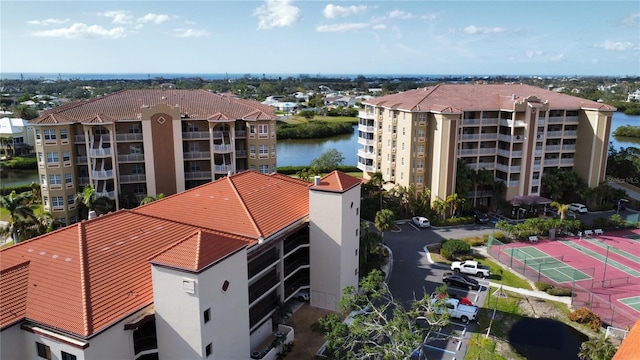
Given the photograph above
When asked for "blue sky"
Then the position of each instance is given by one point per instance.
(322, 37)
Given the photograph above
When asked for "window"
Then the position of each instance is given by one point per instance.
(134, 129)
(45, 200)
(37, 134)
(57, 201)
(263, 129)
(207, 350)
(72, 220)
(273, 148)
(63, 222)
(252, 129)
(139, 189)
(40, 157)
(55, 179)
(252, 150)
(264, 150)
(137, 169)
(207, 315)
(49, 134)
(52, 157)
(71, 199)
(67, 356)
(100, 130)
(43, 351)
(194, 147)
(264, 169)
(64, 134)
(43, 179)
(68, 179)
(66, 156)
(192, 127)
(252, 167)
(194, 166)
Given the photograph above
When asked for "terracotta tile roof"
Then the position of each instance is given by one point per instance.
(453, 98)
(85, 277)
(630, 347)
(336, 181)
(198, 250)
(126, 105)
(248, 204)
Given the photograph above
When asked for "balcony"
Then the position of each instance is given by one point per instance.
(463, 152)
(551, 162)
(194, 155)
(571, 119)
(195, 135)
(193, 175)
(101, 152)
(556, 119)
(81, 160)
(470, 122)
(512, 123)
(102, 174)
(107, 194)
(241, 153)
(366, 154)
(490, 121)
(570, 133)
(540, 121)
(568, 147)
(509, 138)
(366, 168)
(131, 158)
(485, 151)
(222, 169)
(78, 138)
(129, 137)
(222, 149)
(366, 128)
(513, 183)
(133, 178)
(554, 134)
(470, 137)
(241, 134)
(489, 136)
(366, 115)
(566, 161)
(363, 141)
(550, 148)
(538, 151)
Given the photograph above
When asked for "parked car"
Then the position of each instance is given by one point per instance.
(421, 221)
(463, 300)
(302, 295)
(577, 207)
(470, 267)
(553, 212)
(481, 218)
(458, 310)
(460, 280)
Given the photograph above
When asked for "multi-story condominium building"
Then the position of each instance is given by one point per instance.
(135, 143)
(195, 275)
(516, 131)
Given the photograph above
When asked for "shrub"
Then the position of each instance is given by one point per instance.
(446, 253)
(543, 286)
(559, 291)
(456, 246)
(476, 241)
(586, 316)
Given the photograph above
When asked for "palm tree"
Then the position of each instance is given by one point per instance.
(440, 207)
(597, 348)
(150, 198)
(562, 209)
(19, 210)
(384, 222)
(377, 180)
(482, 178)
(454, 201)
(101, 204)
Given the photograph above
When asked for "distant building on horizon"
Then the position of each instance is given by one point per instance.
(135, 143)
(515, 131)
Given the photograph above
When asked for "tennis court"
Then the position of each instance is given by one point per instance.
(549, 266)
(632, 302)
(604, 258)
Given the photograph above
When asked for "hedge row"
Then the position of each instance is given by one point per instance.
(292, 170)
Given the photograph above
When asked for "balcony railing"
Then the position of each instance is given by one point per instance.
(554, 134)
(366, 154)
(78, 138)
(551, 162)
(566, 161)
(102, 174)
(101, 152)
(366, 128)
(513, 183)
(195, 135)
(222, 169)
(222, 148)
(463, 152)
(570, 133)
(568, 147)
(470, 136)
(552, 148)
(81, 160)
(489, 136)
(366, 115)
(241, 134)
(133, 178)
(108, 194)
(131, 158)
(129, 137)
(190, 175)
(556, 119)
(470, 121)
(241, 153)
(367, 168)
(363, 141)
(490, 121)
(571, 119)
(190, 155)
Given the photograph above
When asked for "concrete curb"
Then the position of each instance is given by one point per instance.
(388, 267)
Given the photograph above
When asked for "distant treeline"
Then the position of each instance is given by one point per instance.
(629, 108)
(312, 130)
(628, 131)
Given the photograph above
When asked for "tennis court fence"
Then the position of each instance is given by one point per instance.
(587, 291)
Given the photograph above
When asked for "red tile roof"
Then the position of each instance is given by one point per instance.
(336, 181)
(198, 250)
(248, 204)
(630, 347)
(126, 105)
(453, 98)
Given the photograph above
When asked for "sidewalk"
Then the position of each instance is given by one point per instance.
(533, 293)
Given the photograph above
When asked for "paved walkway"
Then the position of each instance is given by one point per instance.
(632, 191)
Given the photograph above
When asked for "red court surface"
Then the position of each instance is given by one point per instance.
(611, 261)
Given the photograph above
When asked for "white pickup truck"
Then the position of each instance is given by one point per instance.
(470, 267)
(457, 310)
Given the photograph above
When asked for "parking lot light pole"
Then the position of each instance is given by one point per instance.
(606, 260)
(618, 207)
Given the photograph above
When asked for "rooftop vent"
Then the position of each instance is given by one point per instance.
(316, 180)
(92, 215)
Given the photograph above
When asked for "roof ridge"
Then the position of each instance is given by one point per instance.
(174, 244)
(196, 258)
(84, 278)
(244, 206)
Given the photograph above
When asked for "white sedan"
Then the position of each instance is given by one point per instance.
(421, 221)
(578, 208)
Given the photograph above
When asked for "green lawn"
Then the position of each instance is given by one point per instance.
(302, 120)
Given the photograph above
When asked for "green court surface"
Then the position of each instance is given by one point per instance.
(546, 265)
(633, 237)
(602, 258)
(632, 302)
(615, 250)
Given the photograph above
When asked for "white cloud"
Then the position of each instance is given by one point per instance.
(118, 16)
(379, 27)
(429, 17)
(83, 31)
(472, 29)
(399, 14)
(341, 27)
(332, 11)
(532, 53)
(277, 13)
(631, 20)
(191, 33)
(47, 22)
(154, 18)
(557, 57)
(616, 45)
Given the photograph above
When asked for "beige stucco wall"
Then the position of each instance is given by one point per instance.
(441, 154)
(592, 145)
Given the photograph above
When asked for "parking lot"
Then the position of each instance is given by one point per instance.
(413, 276)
